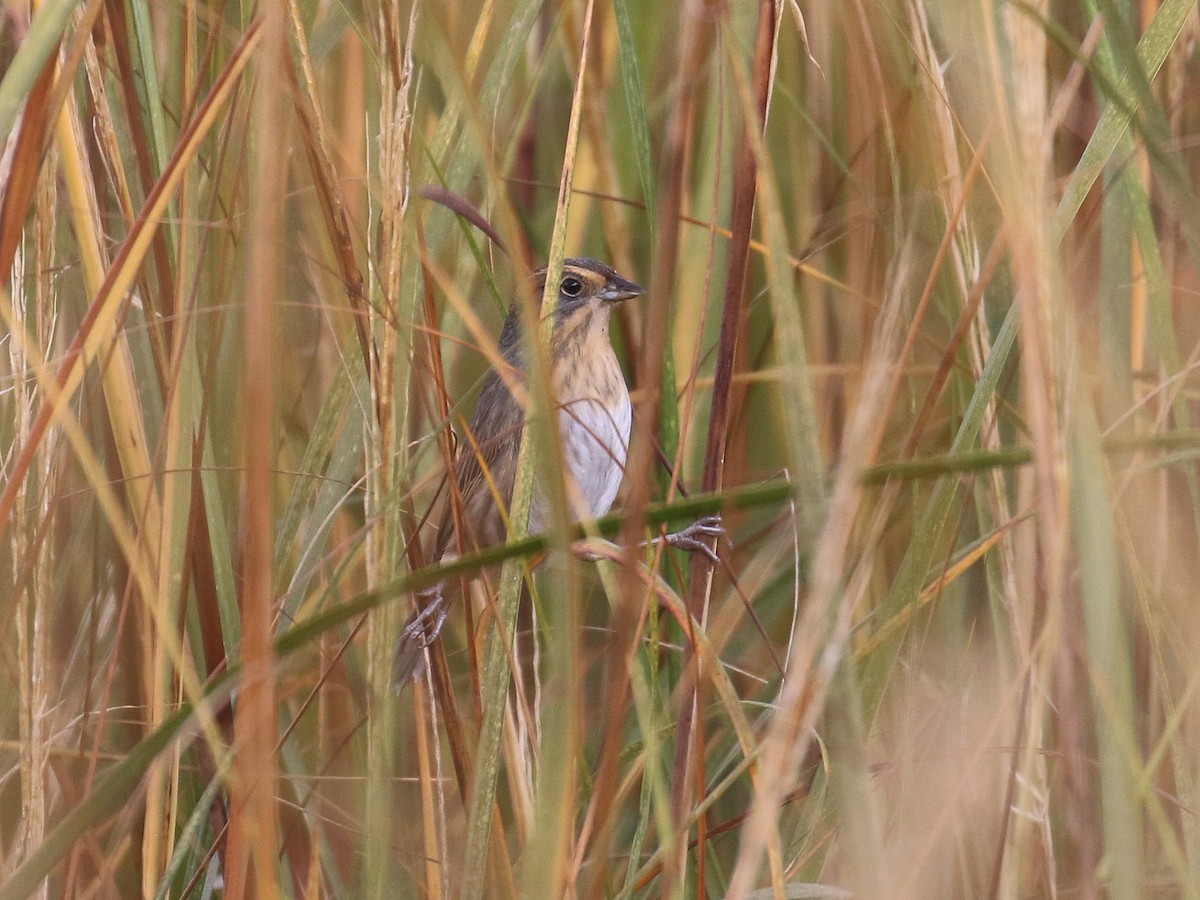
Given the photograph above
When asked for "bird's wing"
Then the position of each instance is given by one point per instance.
(486, 469)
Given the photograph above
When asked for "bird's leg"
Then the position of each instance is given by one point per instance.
(696, 537)
(421, 630)
(693, 539)
(426, 624)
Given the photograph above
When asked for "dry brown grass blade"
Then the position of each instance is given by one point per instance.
(123, 269)
(690, 753)
(442, 686)
(204, 581)
(961, 331)
(329, 192)
(26, 163)
(744, 190)
(254, 823)
(461, 206)
(41, 108)
(134, 120)
(694, 40)
(200, 573)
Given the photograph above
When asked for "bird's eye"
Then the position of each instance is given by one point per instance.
(571, 286)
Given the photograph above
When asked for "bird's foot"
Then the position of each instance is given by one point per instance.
(426, 624)
(699, 537)
(421, 630)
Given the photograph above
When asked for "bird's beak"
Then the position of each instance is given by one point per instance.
(619, 289)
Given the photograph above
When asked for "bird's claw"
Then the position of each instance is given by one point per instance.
(698, 537)
(424, 627)
(421, 630)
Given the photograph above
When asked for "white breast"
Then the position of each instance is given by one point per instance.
(595, 439)
(595, 446)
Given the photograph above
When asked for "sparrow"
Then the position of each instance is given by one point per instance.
(594, 417)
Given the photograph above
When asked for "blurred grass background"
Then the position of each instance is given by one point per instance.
(921, 320)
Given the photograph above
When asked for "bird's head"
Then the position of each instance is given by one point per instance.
(588, 284)
(587, 292)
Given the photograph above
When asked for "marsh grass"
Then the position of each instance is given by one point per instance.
(920, 324)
